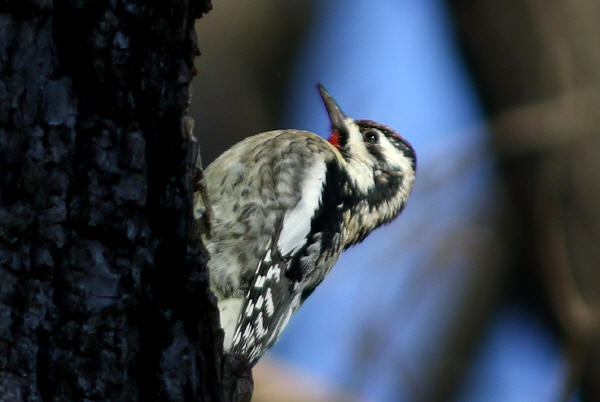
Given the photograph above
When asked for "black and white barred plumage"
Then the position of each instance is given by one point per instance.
(286, 203)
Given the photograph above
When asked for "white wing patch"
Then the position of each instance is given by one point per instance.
(269, 302)
(274, 272)
(296, 222)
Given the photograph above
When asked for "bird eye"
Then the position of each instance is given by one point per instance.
(371, 137)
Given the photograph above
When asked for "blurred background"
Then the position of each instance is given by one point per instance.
(487, 288)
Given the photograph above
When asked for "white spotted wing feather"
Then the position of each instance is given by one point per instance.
(264, 233)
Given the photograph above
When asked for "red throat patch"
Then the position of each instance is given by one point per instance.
(334, 139)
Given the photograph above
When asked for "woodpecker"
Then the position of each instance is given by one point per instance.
(285, 204)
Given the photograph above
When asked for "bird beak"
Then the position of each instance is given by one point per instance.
(335, 113)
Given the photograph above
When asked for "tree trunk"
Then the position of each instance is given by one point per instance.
(103, 289)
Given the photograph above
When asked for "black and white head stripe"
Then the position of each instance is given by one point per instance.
(401, 144)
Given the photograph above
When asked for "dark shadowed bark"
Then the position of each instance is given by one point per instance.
(103, 291)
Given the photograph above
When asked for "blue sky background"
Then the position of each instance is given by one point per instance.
(398, 292)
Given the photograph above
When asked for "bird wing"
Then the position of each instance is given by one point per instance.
(267, 308)
(306, 241)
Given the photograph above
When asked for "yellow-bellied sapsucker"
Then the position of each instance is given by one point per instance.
(285, 204)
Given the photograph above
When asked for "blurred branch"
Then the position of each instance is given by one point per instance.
(537, 64)
(541, 126)
(576, 312)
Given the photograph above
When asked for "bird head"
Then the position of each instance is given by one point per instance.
(380, 164)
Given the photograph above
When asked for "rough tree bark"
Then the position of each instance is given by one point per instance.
(103, 292)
